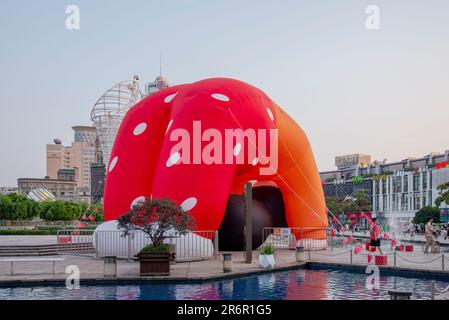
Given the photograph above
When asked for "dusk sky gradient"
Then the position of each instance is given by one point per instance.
(381, 92)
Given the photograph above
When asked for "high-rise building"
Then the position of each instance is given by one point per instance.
(97, 180)
(352, 161)
(82, 153)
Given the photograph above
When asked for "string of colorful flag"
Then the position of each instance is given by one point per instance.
(85, 219)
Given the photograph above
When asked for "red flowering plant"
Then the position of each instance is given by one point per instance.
(159, 219)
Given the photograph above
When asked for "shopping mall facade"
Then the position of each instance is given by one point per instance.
(397, 189)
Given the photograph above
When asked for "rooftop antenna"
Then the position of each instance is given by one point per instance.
(160, 65)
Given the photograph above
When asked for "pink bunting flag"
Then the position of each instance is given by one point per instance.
(91, 218)
(84, 217)
(358, 249)
(393, 243)
(334, 232)
(335, 220)
(343, 229)
(344, 242)
(351, 238)
(386, 236)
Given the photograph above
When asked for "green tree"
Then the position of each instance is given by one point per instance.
(6, 207)
(359, 201)
(443, 194)
(334, 204)
(17, 207)
(60, 210)
(426, 212)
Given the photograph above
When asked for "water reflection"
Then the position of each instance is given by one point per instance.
(288, 285)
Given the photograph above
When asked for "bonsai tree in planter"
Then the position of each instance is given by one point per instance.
(266, 257)
(159, 219)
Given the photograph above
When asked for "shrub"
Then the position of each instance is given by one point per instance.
(26, 232)
(267, 250)
(163, 248)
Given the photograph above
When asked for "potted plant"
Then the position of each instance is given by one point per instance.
(159, 219)
(266, 257)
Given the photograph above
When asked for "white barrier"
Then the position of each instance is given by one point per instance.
(108, 240)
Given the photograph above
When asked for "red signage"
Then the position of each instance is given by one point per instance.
(442, 165)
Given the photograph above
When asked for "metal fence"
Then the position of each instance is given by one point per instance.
(194, 245)
(75, 241)
(40, 223)
(290, 238)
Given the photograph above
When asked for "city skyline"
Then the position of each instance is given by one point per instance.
(350, 88)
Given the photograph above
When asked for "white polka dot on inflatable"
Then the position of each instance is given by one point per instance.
(136, 201)
(270, 114)
(169, 126)
(237, 149)
(174, 158)
(113, 163)
(189, 204)
(169, 98)
(139, 129)
(221, 97)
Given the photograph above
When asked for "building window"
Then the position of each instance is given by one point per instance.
(395, 206)
(416, 183)
(417, 205)
(424, 181)
(404, 204)
(397, 184)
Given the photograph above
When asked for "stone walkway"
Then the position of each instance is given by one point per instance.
(431, 262)
(419, 238)
(27, 240)
(92, 269)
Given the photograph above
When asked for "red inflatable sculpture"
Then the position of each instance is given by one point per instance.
(199, 143)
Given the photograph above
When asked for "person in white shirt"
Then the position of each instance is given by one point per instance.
(430, 241)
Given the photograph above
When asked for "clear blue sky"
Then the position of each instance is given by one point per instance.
(383, 92)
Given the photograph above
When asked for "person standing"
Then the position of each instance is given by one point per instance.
(430, 241)
(375, 233)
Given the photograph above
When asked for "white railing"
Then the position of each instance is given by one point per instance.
(290, 238)
(192, 246)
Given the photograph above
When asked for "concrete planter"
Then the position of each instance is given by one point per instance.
(267, 261)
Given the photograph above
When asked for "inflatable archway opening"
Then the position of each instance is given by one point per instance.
(145, 163)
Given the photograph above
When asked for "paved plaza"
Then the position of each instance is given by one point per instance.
(92, 268)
